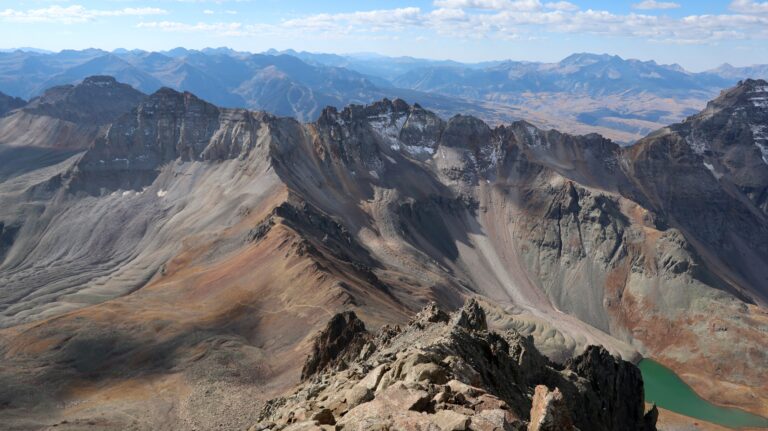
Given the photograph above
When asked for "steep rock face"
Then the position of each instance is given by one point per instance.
(731, 137)
(8, 103)
(549, 411)
(452, 373)
(340, 341)
(609, 378)
(167, 126)
(718, 164)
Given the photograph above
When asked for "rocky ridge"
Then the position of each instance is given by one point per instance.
(449, 372)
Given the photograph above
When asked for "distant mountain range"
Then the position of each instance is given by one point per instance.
(621, 99)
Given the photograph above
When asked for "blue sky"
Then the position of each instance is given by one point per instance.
(695, 34)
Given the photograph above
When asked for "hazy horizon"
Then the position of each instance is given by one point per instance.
(696, 35)
(363, 54)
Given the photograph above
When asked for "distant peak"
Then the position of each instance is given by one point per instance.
(168, 100)
(167, 93)
(100, 81)
(396, 105)
(96, 100)
(375, 109)
(751, 84)
(582, 56)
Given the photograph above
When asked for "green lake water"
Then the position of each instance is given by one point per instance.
(667, 390)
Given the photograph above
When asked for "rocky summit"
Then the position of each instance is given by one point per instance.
(165, 264)
(449, 372)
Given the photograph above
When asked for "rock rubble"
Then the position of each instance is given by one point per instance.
(451, 373)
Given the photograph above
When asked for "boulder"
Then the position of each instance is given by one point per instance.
(449, 420)
(471, 316)
(549, 411)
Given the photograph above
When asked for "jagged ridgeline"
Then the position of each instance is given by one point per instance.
(161, 254)
(449, 372)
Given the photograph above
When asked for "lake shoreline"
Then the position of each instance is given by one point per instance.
(665, 388)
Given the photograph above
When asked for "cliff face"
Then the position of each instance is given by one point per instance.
(188, 236)
(8, 103)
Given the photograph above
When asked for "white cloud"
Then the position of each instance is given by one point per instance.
(749, 6)
(225, 29)
(653, 4)
(208, 12)
(206, 1)
(72, 14)
(466, 19)
(561, 5)
(374, 20)
(519, 5)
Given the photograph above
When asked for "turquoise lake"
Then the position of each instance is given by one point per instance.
(667, 390)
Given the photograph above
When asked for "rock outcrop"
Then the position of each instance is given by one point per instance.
(549, 411)
(339, 343)
(451, 373)
(8, 103)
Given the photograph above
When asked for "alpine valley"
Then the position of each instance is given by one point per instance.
(168, 263)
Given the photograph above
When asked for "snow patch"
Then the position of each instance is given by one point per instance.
(652, 75)
(533, 133)
(697, 145)
(388, 128)
(764, 151)
(759, 102)
(161, 193)
(711, 169)
(420, 149)
(759, 97)
(492, 154)
(760, 135)
(418, 125)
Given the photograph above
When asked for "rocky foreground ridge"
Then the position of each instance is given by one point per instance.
(451, 373)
